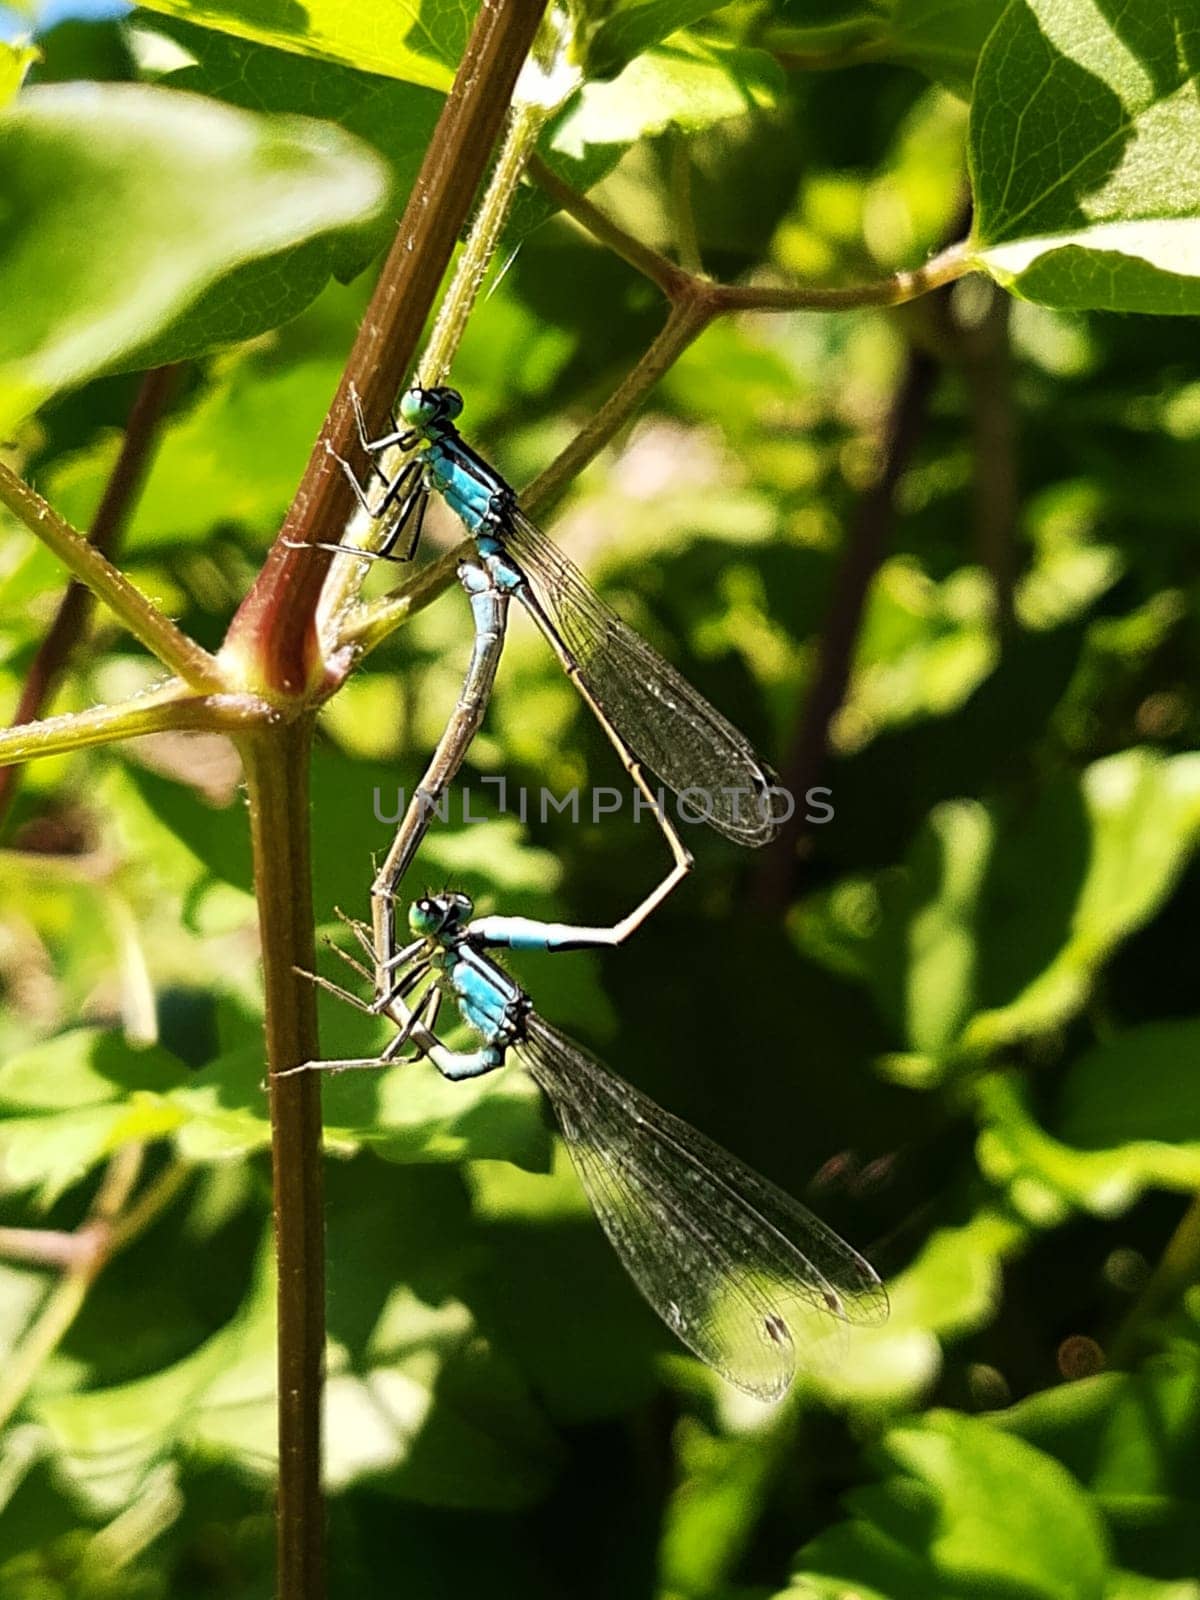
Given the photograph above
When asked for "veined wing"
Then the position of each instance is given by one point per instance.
(722, 1255)
(670, 728)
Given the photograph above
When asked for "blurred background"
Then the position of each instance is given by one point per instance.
(957, 1016)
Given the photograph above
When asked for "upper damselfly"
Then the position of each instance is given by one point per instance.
(653, 717)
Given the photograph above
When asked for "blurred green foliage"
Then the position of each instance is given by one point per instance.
(967, 1039)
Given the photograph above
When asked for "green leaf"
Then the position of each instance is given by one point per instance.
(1099, 1163)
(133, 201)
(1132, 1088)
(632, 27)
(967, 958)
(686, 85)
(705, 1527)
(396, 118)
(966, 1510)
(414, 1402)
(1085, 129)
(830, 27)
(419, 43)
(942, 38)
(1132, 1439)
(78, 1097)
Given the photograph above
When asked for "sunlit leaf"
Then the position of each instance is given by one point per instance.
(1005, 921)
(965, 1508)
(685, 85)
(1083, 132)
(418, 43)
(136, 200)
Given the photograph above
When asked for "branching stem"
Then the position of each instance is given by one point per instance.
(141, 616)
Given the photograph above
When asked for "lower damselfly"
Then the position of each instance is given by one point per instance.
(733, 1265)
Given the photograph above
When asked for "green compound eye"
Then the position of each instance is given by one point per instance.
(417, 406)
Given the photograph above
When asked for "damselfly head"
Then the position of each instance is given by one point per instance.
(422, 408)
(436, 915)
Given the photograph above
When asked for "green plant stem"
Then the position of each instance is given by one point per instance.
(675, 282)
(1177, 1270)
(650, 263)
(524, 125)
(368, 625)
(274, 641)
(277, 778)
(141, 616)
(40, 1247)
(941, 269)
(120, 495)
(171, 707)
(111, 1224)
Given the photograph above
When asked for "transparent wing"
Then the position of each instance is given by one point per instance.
(723, 1256)
(670, 728)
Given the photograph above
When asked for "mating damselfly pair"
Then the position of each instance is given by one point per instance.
(723, 1256)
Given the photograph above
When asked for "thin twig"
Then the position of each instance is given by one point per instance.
(675, 282)
(120, 495)
(1177, 1270)
(109, 1227)
(650, 263)
(987, 367)
(688, 319)
(896, 289)
(40, 1247)
(170, 708)
(141, 616)
(866, 546)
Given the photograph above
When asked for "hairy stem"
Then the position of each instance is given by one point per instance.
(940, 270)
(141, 616)
(524, 126)
(470, 269)
(120, 495)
